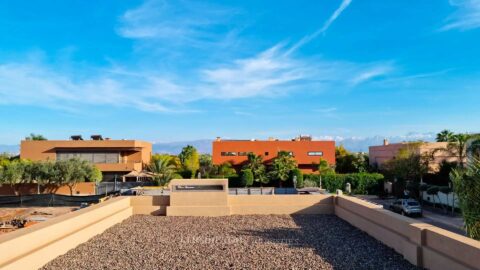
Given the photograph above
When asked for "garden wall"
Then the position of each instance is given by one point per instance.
(86, 188)
(421, 244)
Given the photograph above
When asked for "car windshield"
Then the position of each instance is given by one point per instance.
(412, 203)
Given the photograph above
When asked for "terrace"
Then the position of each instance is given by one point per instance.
(233, 242)
(200, 226)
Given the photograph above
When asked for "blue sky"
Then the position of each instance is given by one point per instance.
(183, 70)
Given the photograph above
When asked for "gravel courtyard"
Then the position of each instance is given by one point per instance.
(234, 242)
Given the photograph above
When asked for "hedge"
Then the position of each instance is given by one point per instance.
(361, 183)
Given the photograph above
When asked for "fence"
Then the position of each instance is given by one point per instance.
(103, 188)
(262, 191)
(48, 200)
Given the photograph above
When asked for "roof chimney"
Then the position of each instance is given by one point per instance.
(385, 142)
(218, 139)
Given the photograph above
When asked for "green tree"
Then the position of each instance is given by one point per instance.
(282, 166)
(35, 137)
(461, 146)
(73, 171)
(323, 169)
(206, 168)
(466, 184)
(348, 162)
(163, 168)
(224, 170)
(407, 165)
(255, 164)
(12, 174)
(190, 160)
(247, 178)
(445, 136)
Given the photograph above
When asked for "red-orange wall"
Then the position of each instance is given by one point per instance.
(300, 150)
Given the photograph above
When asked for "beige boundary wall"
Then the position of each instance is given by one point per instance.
(420, 243)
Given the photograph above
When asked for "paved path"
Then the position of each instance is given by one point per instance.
(434, 216)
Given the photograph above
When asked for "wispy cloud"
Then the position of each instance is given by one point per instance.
(323, 29)
(190, 23)
(371, 73)
(466, 17)
(39, 85)
(273, 73)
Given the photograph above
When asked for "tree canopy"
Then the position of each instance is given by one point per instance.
(35, 137)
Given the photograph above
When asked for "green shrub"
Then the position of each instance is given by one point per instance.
(299, 176)
(361, 183)
(310, 183)
(247, 178)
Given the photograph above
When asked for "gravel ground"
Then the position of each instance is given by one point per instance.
(235, 242)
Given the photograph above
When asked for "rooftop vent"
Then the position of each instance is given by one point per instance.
(97, 137)
(76, 137)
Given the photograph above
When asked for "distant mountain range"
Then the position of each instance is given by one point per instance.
(356, 144)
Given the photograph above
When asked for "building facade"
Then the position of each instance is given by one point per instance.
(304, 150)
(114, 158)
(380, 154)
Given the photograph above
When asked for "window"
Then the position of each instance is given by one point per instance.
(243, 153)
(266, 153)
(93, 157)
(229, 154)
(315, 153)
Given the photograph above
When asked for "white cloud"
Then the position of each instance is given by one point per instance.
(274, 72)
(466, 17)
(38, 85)
(176, 22)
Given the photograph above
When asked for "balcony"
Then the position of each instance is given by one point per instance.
(120, 167)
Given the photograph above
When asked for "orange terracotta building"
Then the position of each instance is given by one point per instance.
(115, 158)
(303, 149)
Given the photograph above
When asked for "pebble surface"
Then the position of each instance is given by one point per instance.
(234, 242)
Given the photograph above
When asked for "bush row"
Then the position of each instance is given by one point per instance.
(361, 183)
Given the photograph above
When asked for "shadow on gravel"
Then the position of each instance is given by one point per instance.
(337, 242)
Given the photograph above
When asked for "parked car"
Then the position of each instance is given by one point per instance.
(406, 207)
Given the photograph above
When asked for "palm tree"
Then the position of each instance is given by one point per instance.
(461, 146)
(225, 170)
(445, 136)
(255, 164)
(163, 169)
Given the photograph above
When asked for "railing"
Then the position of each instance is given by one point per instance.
(112, 187)
(262, 191)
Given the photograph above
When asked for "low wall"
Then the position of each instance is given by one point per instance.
(85, 188)
(32, 247)
(150, 205)
(280, 204)
(420, 243)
